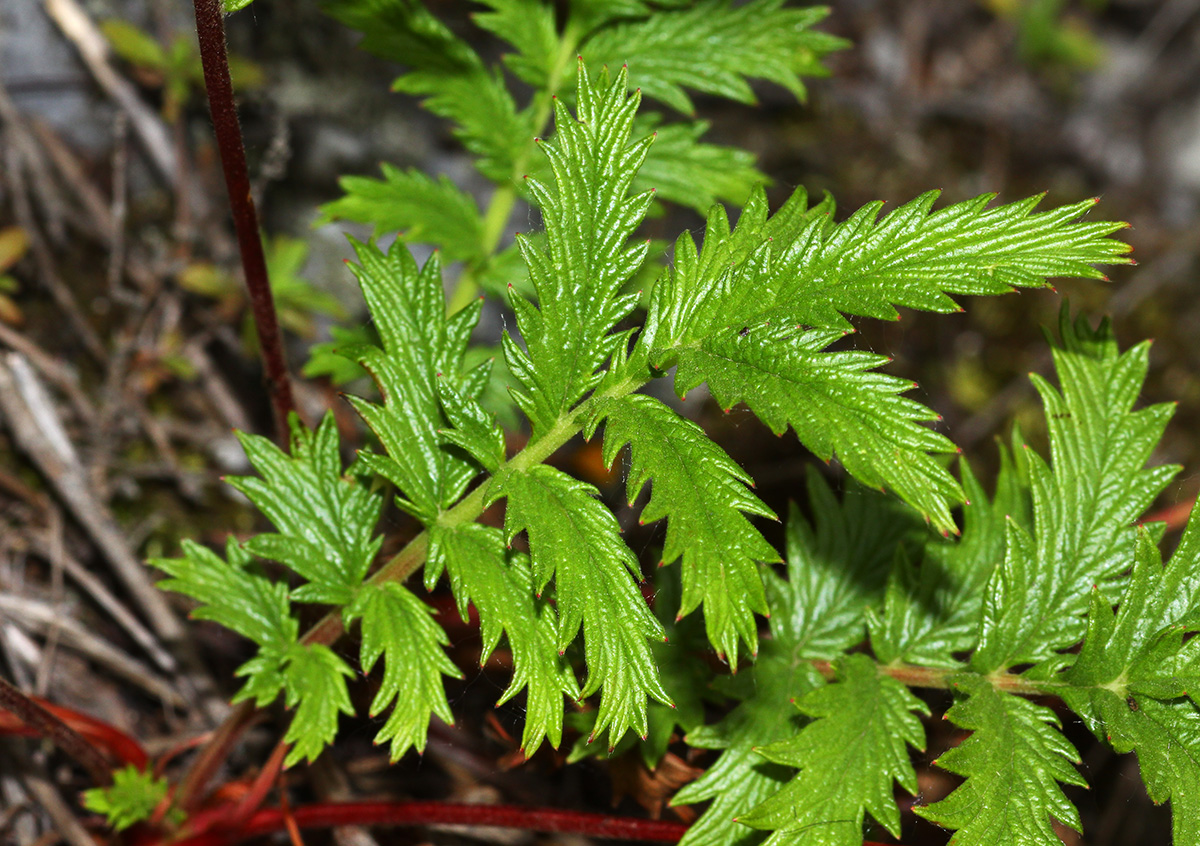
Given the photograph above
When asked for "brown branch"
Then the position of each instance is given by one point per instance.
(210, 29)
(55, 730)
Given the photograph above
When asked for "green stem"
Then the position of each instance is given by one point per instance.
(504, 198)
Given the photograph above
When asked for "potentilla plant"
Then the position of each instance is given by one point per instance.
(1047, 588)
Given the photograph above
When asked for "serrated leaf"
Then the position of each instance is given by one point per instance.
(835, 568)
(1084, 507)
(474, 430)
(683, 169)
(739, 308)
(325, 521)
(399, 628)
(315, 685)
(576, 540)
(420, 348)
(529, 26)
(448, 73)
(501, 587)
(702, 492)
(586, 261)
(862, 725)
(835, 402)
(1013, 763)
(421, 209)
(933, 603)
(714, 47)
(131, 798)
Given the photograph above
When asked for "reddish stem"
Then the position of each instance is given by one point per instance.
(37, 720)
(210, 29)
(330, 815)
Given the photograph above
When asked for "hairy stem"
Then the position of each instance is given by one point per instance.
(911, 675)
(210, 30)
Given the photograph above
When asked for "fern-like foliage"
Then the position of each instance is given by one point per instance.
(1020, 604)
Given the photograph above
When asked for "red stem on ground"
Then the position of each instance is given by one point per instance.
(41, 719)
(331, 815)
(210, 29)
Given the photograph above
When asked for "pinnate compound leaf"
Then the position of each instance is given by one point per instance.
(702, 492)
(848, 756)
(585, 261)
(325, 521)
(421, 348)
(400, 628)
(420, 208)
(734, 314)
(315, 685)
(1013, 763)
(448, 73)
(1084, 507)
(501, 587)
(714, 47)
(576, 540)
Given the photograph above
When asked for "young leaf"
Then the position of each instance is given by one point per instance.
(714, 46)
(422, 209)
(576, 540)
(529, 26)
(419, 345)
(501, 586)
(315, 680)
(132, 797)
(586, 261)
(703, 493)
(398, 626)
(1012, 763)
(1084, 508)
(861, 725)
(326, 522)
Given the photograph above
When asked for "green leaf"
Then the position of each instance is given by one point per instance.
(420, 348)
(1135, 680)
(932, 608)
(576, 540)
(501, 586)
(326, 359)
(734, 314)
(682, 169)
(448, 73)
(315, 679)
(230, 594)
(585, 262)
(835, 402)
(325, 521)
(529, 26)
(420, 208)
(399, 627)
(714, 47)
(1012, 763)
(132, 797)
(836, 566)
(1084, 508)
(134, 45)
(702, 493)
(848, 758)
